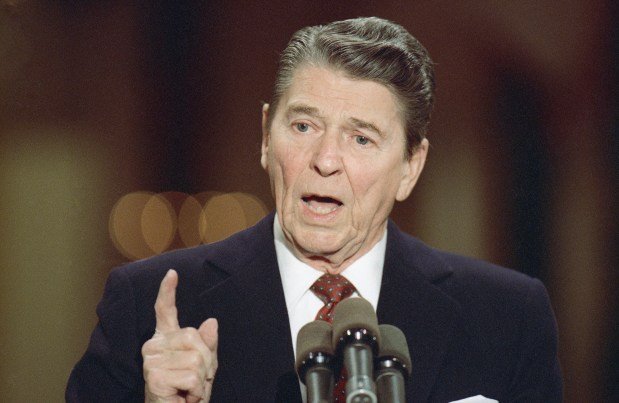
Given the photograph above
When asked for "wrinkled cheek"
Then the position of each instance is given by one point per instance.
(288, 168)
(279, 188)
(277, 183)
(369, 207)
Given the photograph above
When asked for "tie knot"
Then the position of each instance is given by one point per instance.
(331, 289)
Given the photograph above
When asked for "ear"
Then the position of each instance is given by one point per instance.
(411, 170)
(265, 137)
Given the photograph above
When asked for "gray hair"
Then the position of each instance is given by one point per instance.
(368, 49)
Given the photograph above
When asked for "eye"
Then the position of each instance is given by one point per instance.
(362, 140)
(302, 127)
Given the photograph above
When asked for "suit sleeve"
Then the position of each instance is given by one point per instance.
(537, 375)
(111, 368)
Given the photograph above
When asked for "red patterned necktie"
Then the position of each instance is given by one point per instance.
(331, 289)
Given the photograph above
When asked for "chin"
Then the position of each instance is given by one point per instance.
(320, 243)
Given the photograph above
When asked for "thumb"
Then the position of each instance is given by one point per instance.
(209, 333)
(165, 305)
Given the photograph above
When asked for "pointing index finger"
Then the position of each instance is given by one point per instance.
(165, 305)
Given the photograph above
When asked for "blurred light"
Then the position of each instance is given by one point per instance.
(253, 208)
(224, 216)
(176, 201)
(203, 198)
(190, 219)
(144, 224)
(159, 223)
(125, 225)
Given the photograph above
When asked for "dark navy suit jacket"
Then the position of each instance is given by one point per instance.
(472, 328)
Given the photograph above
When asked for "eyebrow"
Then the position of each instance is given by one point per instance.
(303, 109)
(362, 124)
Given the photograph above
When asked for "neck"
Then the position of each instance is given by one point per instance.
(333, 263)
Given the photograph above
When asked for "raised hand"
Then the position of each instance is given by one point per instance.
(179, 364)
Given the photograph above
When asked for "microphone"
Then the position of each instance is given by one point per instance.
(315, 360)
(393, 365)
(356, 336)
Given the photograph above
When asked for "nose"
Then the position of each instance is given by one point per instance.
(327, 158)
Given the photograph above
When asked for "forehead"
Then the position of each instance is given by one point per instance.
(332, 93)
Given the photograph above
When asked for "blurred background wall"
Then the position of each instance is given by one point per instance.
(100, 100)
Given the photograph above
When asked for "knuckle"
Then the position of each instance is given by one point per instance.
(195, 360)
(148, 347)
(188, 335)
(154, 378)
(194, 380)
(153, 345)
(151, 362)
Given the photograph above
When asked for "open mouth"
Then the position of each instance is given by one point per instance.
(321, 204)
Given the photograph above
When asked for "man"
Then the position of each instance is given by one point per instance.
(343, 139)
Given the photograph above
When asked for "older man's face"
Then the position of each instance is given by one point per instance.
(335, 154)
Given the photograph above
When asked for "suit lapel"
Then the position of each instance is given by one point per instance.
(245, 294)
(255, 352)
(410, 298)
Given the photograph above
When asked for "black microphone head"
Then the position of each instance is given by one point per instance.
(393, 346)
(313, 339)
(355, 314)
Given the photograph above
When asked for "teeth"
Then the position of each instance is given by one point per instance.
(321, 208)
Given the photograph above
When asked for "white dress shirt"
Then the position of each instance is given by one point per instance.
(302, 304)
(297, 277)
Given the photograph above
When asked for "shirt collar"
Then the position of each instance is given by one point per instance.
(297, 277)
